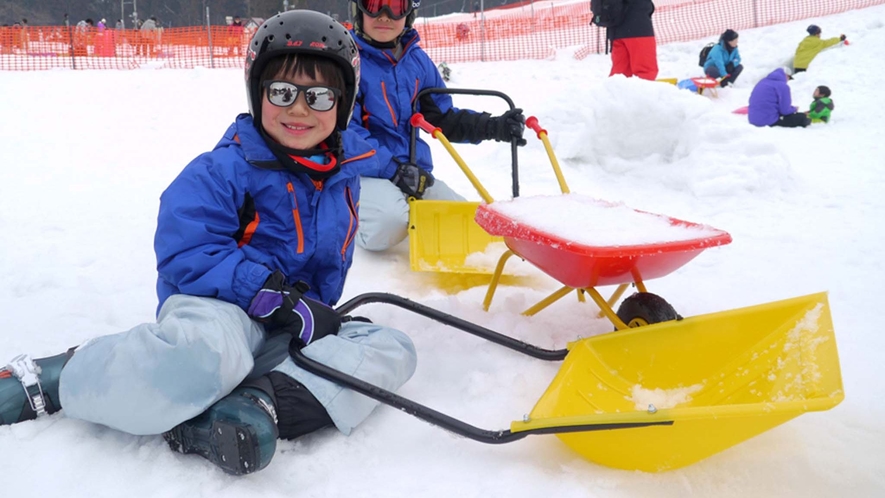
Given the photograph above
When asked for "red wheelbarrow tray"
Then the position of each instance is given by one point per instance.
(582, 266)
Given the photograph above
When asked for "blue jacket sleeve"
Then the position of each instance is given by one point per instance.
(458, 125)
(360, 150)
(383, 165)
(194, 243)
(736, 57)
(721, 57)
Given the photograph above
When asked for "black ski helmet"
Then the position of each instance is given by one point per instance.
(303, 32)
(357, 15)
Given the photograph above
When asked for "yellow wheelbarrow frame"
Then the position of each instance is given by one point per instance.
(740, 372)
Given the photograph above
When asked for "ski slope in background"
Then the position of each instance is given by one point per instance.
(86, 154)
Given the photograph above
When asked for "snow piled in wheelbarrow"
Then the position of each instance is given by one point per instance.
(652, 133)
(593, 222)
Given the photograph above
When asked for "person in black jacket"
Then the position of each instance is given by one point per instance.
(633, 48)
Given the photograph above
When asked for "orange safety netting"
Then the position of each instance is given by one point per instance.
(51, 47)
(530, 30)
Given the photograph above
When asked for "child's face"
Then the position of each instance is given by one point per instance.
(733, 43)
(817, 94)
(297, 126)
(382, 29)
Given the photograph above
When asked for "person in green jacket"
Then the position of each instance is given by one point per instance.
(820, 109)
(810, 46)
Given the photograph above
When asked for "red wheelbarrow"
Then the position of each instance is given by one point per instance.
(582, 265)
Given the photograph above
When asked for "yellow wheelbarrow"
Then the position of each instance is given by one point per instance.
(658, 397)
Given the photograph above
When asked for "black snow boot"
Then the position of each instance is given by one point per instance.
(238, 433)
(29, 388)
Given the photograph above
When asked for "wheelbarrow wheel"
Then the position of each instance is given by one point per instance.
(645, 308)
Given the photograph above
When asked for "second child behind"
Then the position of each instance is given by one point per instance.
(395, 69)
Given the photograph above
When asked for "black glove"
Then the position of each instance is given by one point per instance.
(507, 126)
(283, 309)
(842, 37)
(412, 179)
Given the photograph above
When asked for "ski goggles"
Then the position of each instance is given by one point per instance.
(395, 9)
(284, 94)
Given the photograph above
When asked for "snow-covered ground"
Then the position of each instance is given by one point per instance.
(85, 156)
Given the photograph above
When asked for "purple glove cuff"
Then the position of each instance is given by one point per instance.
(265, 303)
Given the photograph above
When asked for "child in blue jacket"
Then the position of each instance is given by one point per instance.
(253, 243)
(395, 69)
(724, 59)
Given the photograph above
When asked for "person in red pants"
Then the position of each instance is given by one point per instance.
(633, 48)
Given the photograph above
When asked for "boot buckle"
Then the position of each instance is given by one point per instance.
(28, 373)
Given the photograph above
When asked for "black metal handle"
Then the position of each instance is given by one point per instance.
(514, 165)
(430, 415)
(453, 321)
(440, 419)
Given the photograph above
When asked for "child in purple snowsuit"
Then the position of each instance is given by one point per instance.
(771, 103)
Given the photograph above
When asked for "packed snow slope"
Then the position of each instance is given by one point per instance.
(86, 155)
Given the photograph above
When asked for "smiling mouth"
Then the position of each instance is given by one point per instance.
(295, 127)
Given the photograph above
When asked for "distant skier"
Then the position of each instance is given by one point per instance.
(444, 71)
(630, 31)
(254, 240)
(810, 46)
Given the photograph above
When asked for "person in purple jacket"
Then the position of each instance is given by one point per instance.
(771, 103)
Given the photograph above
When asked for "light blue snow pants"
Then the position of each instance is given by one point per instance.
(384, 211)
(155, 376)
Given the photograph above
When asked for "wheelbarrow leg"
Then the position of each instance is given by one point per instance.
(606, 309)
(612, 300)
(493, 285)
(547, 301)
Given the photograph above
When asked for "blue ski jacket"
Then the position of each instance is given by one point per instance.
(235, 214)
(388, 87)
(719, 56)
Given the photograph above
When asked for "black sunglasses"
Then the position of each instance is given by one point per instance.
(283, 94)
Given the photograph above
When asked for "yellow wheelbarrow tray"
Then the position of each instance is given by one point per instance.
(661, 396)
(443, 234)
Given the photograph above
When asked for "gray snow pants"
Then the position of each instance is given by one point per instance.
(384, 211)
(151, 378)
